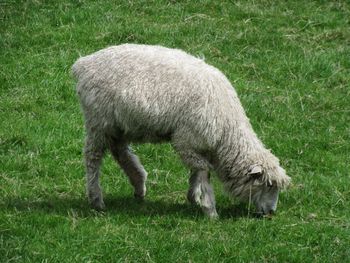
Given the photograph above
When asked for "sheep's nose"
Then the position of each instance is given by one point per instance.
(271, 212)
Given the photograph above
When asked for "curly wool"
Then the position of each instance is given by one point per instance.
(151, 93)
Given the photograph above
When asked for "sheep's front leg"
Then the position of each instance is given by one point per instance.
(94, 151)
(132, 167)
(201, 192)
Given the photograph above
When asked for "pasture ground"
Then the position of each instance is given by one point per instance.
(289, 62)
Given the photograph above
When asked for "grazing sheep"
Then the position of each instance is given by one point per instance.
(140, 93)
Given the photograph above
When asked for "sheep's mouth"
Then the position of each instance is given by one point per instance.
(264, 214)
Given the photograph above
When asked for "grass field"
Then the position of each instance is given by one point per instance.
(288, 60)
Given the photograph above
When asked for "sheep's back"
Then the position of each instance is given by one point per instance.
(154, 89)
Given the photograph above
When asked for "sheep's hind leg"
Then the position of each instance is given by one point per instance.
(131, 165)
(94, 152)
(201, 192)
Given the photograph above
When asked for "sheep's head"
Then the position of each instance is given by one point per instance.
(265, 184)
(260, 186)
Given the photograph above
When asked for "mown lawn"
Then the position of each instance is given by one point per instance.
(289, 62)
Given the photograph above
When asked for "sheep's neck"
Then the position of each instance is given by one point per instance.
(238, 149)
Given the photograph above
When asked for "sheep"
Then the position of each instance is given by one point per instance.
(142, 93)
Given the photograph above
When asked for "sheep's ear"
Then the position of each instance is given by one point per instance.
(255, 170)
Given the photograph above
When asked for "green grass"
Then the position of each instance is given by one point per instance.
(290, 63)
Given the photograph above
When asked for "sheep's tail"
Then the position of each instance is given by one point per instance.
(79, 67)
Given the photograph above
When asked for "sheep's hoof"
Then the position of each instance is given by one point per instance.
(97, 204)
(99, 207)
(213, 216)
(210, 213)
(139, 198)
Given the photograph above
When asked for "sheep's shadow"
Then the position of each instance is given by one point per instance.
(128, 206)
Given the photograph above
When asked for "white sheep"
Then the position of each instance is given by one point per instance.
(140, 93)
